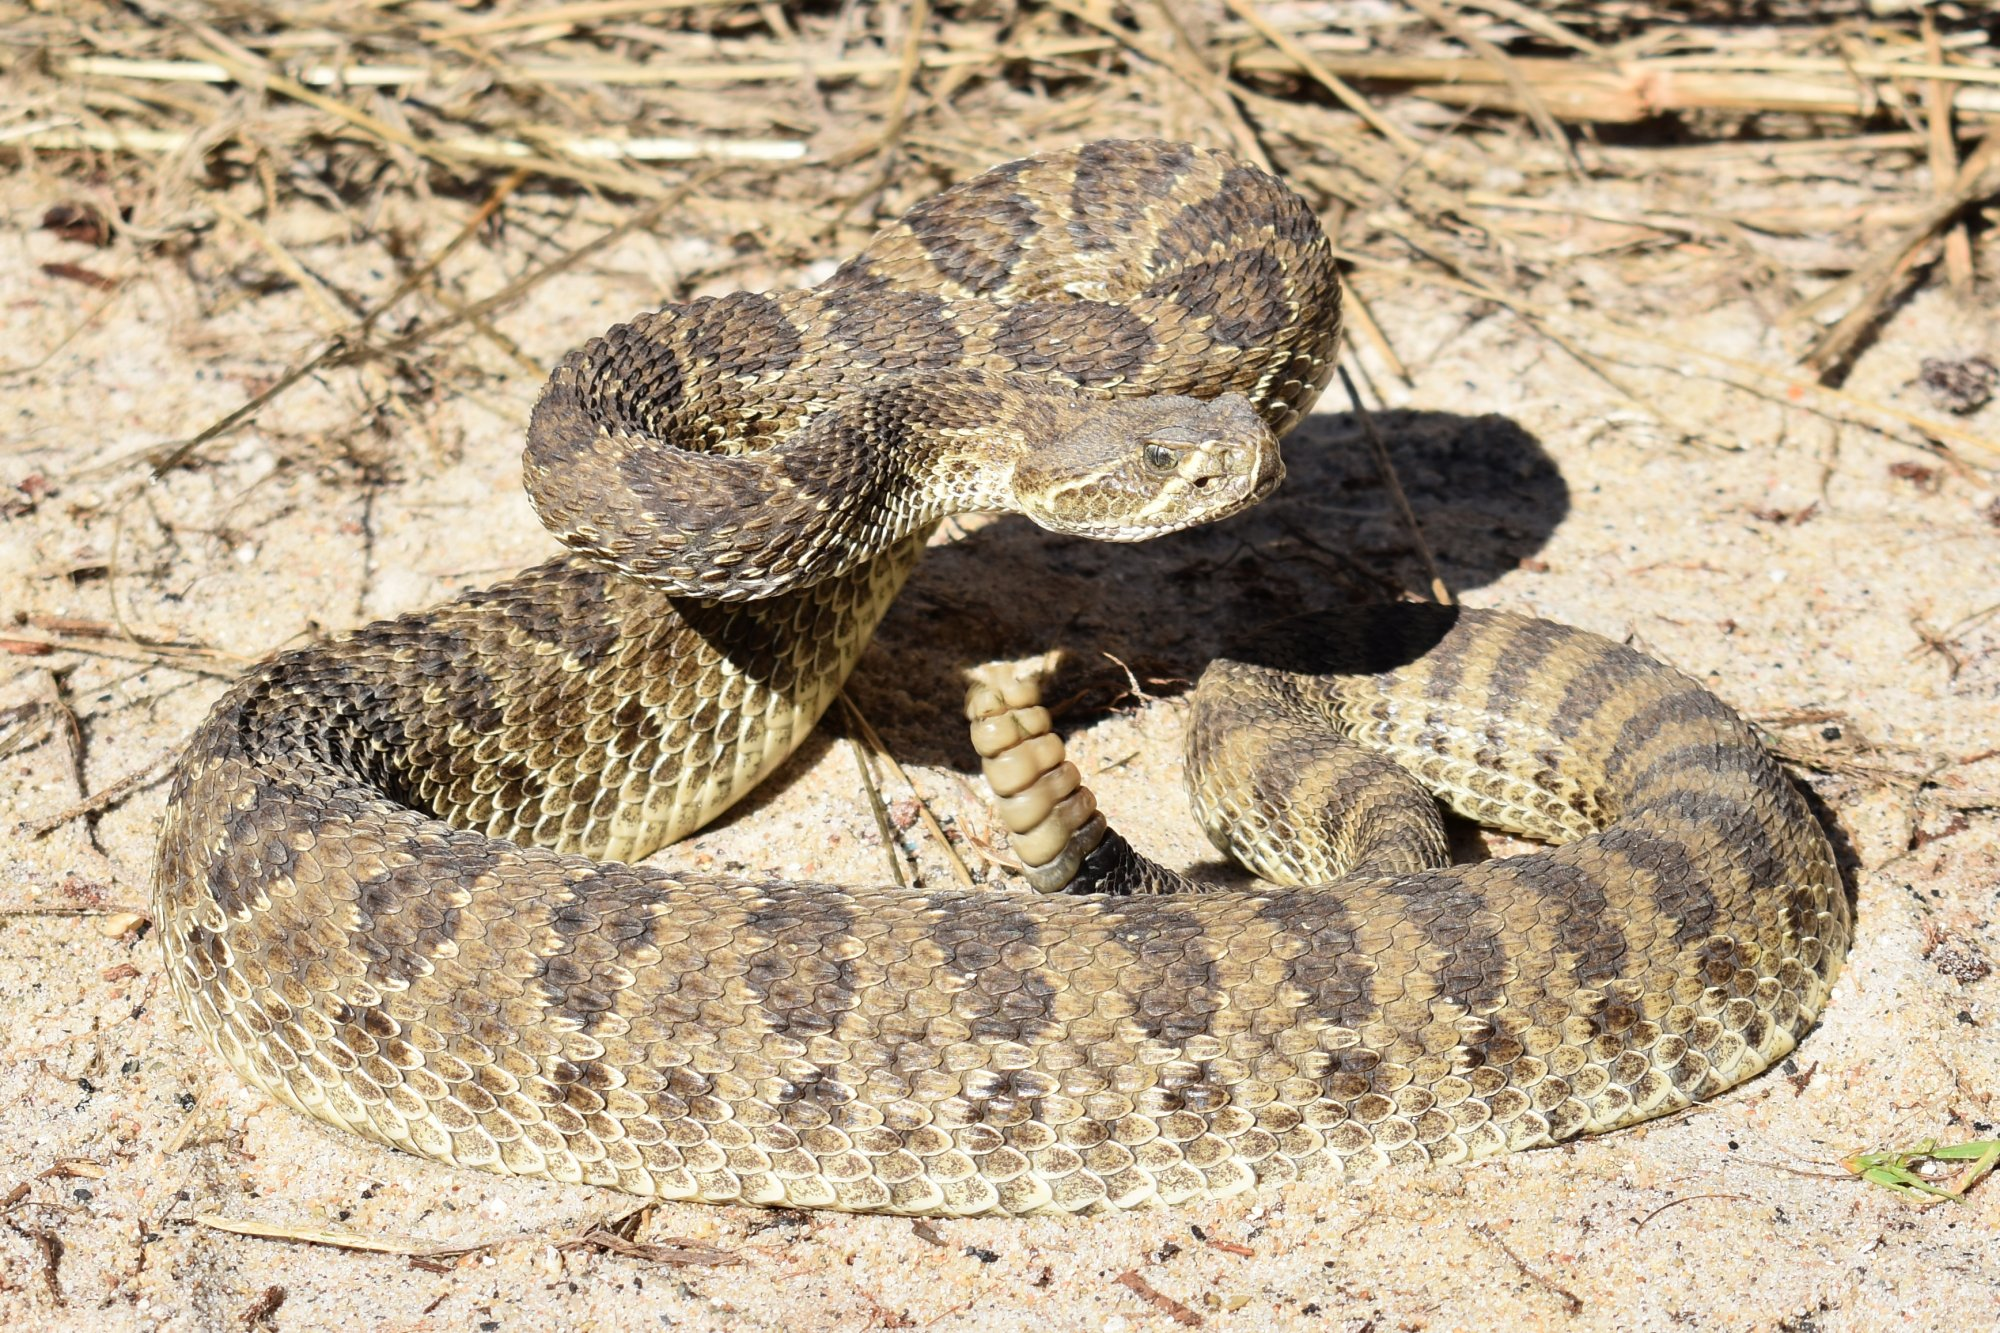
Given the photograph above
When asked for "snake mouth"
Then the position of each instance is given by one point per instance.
(1213, 499)
(1269, 476)
(1246, 475)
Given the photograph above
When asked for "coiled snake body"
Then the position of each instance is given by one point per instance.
(391, 883)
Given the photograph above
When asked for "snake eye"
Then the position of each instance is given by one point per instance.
(1159, 458)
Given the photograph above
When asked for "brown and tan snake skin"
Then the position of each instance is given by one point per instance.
(391, 882)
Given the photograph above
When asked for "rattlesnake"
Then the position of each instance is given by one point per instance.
(391, 886)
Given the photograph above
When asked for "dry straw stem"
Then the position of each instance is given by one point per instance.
(333, 314)
(1213, 86)
(916, 14)
(1540, 24)
(206, 71)
(1173, 51)
(1571, 1302)
(1326, 78)
(1944, 161)
(107, 910)
(1363, 320)
(1627, 91)
(709, 74)
(90, 317)
(883, 828)
(1828, 401)
(601, 1234)
(1518, 84)
(1704, 156)
(393, 135)
(1578, 90)
(60, 136)
(99, 800)
(931, 826)
(191, 658)
(1720, 223)
(1387, 467)
(567, 16)
(353, 345)
(1879, 275)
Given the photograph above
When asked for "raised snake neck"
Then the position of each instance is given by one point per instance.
(389, 882)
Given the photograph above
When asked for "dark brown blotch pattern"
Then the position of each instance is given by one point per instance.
(1172, 980)
(1088, 343)
(1114, 187)
(977, 239)
(1242, 296)
(801, 991)
(996, 940)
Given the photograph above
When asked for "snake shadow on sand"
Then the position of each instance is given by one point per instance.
(1485, 491)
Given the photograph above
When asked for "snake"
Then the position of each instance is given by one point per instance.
(397, 883)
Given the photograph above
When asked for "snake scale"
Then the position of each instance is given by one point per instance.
(393, 882)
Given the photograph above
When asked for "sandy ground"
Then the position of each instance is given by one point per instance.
(1797, 563)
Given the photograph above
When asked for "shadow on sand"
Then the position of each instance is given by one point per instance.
(1485, 492)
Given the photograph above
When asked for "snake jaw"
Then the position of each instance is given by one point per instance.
(1268, 473)
(1134, 469)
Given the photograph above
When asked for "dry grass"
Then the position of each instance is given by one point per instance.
(171, 120)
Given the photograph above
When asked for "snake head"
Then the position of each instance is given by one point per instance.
(1135, 468)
